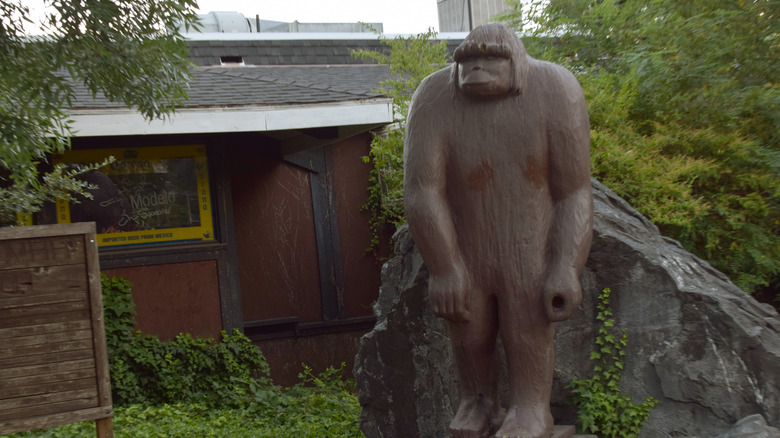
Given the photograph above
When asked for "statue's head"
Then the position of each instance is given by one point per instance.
(491, 62)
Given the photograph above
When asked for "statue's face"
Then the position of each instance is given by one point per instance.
(485, 76)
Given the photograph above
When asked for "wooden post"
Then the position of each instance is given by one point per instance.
(104, 427)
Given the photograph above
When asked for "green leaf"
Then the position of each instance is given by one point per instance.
(601, 407)
(113, 48)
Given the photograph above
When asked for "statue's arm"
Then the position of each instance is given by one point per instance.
(427, 209)
(572, 224)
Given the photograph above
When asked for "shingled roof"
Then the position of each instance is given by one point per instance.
(292, 51)
(275, 71)
(280, 84)
(269, 85)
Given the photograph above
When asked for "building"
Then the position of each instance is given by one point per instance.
(236, 22)
(465, 15)
(244, 209)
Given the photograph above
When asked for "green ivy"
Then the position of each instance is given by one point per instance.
(146, 370)
(602, 408)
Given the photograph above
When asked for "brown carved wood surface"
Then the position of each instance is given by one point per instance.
(53, 359)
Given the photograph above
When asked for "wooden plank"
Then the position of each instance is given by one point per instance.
(45, 422)
(34, 406)
(48, 338)
(43, 309)
(227, 261)
(85, 383)
(30, 350)
(10, 373)
(41, 400)
(98, 332)
(44, 358)
(47, 230)
(326, 236)
(26, 321)
(37, 300)
(42, 280)
(41, 251)
(42, 329)
(43, 380)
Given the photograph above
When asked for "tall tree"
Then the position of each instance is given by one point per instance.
(684, 100)
(131, 51)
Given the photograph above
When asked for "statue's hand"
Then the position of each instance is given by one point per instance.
(449, 294)
(562, 294)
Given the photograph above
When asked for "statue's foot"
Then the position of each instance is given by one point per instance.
(527, 422)
(476, 418)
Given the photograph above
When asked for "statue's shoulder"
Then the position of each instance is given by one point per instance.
(553, 74)
(555, 83)
(435, 86)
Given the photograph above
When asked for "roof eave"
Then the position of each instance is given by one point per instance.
(211, 120)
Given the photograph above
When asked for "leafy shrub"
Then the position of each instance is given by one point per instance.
(411, 59)
(186, 370)
(319, 406)
(683, 99)
(602, 408)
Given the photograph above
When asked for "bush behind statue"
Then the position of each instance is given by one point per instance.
(683, 100)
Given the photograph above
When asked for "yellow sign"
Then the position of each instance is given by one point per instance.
(148, 195)
(24, 219)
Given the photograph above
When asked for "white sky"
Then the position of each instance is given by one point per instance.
(397, 16)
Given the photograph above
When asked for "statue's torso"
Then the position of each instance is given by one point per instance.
(497, 182)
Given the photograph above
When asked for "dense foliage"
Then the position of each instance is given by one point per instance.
(411, 59)
(685, 113)
(130, 51)
(602, 409)
(146, 370)
(195, 387)
(319, 406)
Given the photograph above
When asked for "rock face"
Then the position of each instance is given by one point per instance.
(707, 351)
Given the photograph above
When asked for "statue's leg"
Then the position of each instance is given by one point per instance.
(474, 345)
(530, 353)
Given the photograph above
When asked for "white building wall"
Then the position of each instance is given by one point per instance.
(454, 14)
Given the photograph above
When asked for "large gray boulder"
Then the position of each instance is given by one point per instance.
(708, 352)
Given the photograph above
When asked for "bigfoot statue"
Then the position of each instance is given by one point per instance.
(498, 198)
